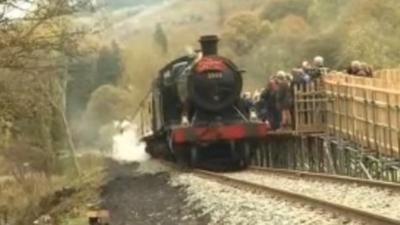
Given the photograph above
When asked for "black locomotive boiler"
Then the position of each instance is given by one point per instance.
(196, 111)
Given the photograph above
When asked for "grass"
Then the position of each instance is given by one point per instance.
(75, 221)
(3, 168)
(34, 196)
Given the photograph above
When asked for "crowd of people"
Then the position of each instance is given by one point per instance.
(361, 69)
(275, 102)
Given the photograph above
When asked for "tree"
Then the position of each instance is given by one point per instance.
(278, 9)
(221, 12)
(81, 83)
(369, 33)
(33, 117)
(243, 30)
(34, 48)
(161, 38)
(107, 103)
(45, 27)
(325, 14)
(109, 66)
(293, 26)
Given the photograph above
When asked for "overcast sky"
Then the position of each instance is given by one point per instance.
(20, 11)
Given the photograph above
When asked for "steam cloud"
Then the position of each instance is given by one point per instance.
(126, 144)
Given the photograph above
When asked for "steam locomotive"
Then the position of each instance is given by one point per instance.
(197, 115)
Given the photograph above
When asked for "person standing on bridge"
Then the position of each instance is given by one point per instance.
(306, 71)
(355, 69)
(284, 99)
(247, 103)
(299, 77)
(268, 108)
(367, 69)
(318, 68)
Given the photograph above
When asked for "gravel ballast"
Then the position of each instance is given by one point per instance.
(376, 200)
(228, 205)
(140, 194)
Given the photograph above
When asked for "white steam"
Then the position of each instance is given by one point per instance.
(126, 144)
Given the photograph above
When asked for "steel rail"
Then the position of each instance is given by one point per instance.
(327, 177)
(364, 216)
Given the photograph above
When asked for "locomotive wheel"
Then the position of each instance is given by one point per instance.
(181, 157)
(245, 156)
(234, 153)
(194, 157)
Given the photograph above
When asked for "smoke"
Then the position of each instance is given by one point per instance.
(126, 144)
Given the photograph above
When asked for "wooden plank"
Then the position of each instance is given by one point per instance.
(308, 106)
(366, 127)
(389, 124)
(352, 108)
(365, 110)
(346, 112)
(374, 118)
(336, 109)
(296, 107)
(329, 109)
(398, 124)
(371, 88)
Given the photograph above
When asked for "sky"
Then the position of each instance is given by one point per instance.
(24, 6)
(19, 11)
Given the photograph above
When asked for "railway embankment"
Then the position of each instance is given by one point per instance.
(132, 193)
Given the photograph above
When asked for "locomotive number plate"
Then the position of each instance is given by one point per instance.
(214, 75)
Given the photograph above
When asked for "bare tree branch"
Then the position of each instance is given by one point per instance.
(47, 26)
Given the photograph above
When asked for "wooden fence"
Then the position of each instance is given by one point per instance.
(365, 111)
(390, 76)
(310, 107)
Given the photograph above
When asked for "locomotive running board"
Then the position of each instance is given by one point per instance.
(181, 135)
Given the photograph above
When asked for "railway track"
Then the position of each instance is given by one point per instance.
(364, 216)
(327, 177)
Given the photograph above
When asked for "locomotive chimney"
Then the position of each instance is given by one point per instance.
(209, 45)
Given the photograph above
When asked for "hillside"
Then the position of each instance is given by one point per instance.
(118, 4)
(266, 36)
(71, 72)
